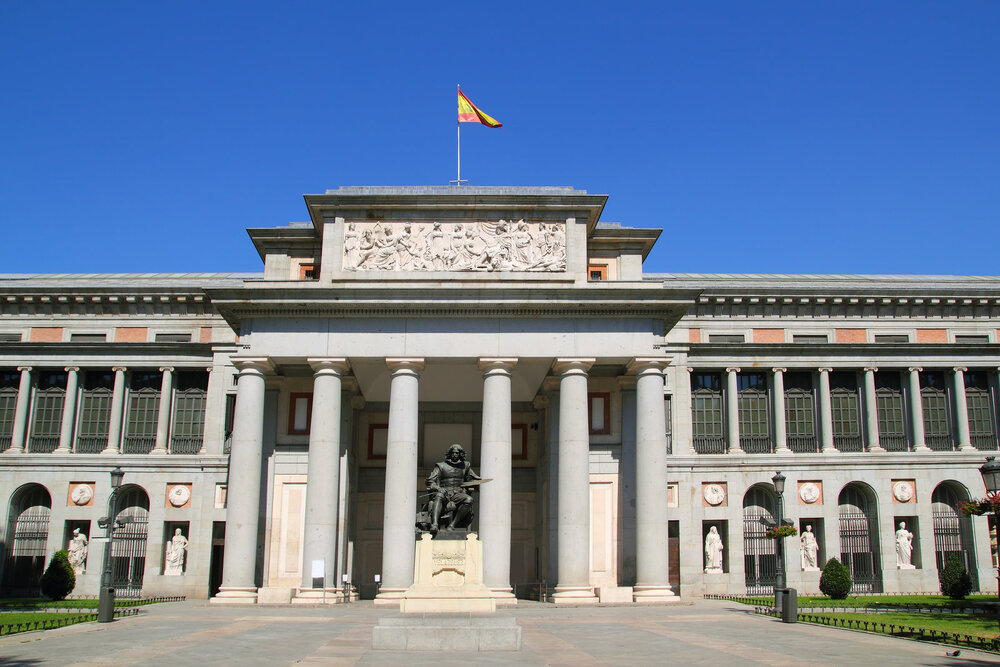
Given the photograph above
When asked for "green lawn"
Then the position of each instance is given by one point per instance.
(8, 617)
(963, 624)
(875, 601)
(43, 603)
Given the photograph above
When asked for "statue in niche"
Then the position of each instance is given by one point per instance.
(77, 551)
(810, 550)
(449, 488)
(176, 550)
(904, 548)
(713, 551)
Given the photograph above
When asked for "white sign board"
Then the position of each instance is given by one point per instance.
(318, 569)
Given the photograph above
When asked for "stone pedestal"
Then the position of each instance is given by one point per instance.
(446, 632)
(448, 578)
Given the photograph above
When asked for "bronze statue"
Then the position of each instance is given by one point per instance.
(449, 487)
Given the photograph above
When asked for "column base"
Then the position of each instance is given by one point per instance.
(783, 451)
(923, 448)
(829, 450)
(966, 448)
(504, 597)
(61, 450)
(573, 595)
(12, 450)
(235, 595)
(389, 597)
(158, 452)
(877, 449)
(318, 596)
(736, 452)
(653, 595)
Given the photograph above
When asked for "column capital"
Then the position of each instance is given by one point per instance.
(25, 368)
(358, 402)
(573, 365)
(412, 364)
(915, 369)
(253, 365)
(338, 365)
(71, 369)
(540, 402)
(872, 369)
(733, 369)
(778, 369)
(640, 365)
(118, 369)
(824, 370)
(494, 364)
(957, 369)
(166, 369)
(626, 382)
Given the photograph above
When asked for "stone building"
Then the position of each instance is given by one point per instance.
(285, 421)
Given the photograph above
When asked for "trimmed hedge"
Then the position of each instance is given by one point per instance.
(59, 579)
(835, 582)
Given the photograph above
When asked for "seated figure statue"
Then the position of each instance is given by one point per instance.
(449, 486)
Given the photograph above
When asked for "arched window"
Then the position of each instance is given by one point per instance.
(760, 564)
(859, 538)
(952, 531)
(128, 555)
(27, 535)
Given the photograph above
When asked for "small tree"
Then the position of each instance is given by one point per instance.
(835, 582)
(59, 579)
(955, 581)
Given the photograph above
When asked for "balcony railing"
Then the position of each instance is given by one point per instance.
(848, 443)
(185, 444)
(803, 444)
(756, 444)
(43, 444)
(939, 443)
(138, 444)
(983, 441)
(90, 444)
(709, 444)
(894, 443)
(5, 442)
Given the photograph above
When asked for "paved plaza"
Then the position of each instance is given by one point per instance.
(700, 632)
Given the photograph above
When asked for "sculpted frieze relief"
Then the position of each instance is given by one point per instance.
(505, 245)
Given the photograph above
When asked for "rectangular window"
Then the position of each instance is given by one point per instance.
(755, 434)
(9, 381)
(299, 413)
(308, 272)
(977, 398)
(810, 338)
(95, 412)
(142, 413)
(519, 442)
(600, 413)
(800, 406)
(892, 338)
(934, 399)
(891, 415)
(597, 272)
(50, 397)
(10, 338)
(188, 430)
(726, 338)
(173, 338)
(972, 339)
(845, 400)
(89, 337)
(707, 416)
(230, 422)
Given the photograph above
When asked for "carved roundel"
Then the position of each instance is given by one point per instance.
(809, 493)
(179, 495)
(82, 493)
(903, 491)
(714, 494)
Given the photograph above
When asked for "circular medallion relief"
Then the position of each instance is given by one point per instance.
(82, 493)
(902, 491)
(714, 494)
(179, 495)
(809, 492)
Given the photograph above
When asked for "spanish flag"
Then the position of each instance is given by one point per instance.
(469, 113)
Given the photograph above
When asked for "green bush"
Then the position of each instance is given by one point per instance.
(835, 582)
(955, 581)
(59, 579)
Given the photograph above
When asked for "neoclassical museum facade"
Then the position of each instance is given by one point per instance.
(283, 423)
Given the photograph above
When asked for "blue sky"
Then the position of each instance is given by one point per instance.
(778, 137)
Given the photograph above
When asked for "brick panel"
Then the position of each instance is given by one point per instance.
(852, 335)
(932, 336)
(46, 334)
(131, 334)
(694, 335)
(769, 335)
(206, 335)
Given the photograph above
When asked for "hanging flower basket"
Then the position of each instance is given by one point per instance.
(975, 507)
(779, 532)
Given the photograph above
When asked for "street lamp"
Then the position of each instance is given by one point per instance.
(991, 478)
(785, 599)
(106, 602)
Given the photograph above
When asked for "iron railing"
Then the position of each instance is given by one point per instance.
(43, 444)
(756, 444)
(185, 444)
(940, 443)
(803, 444)
(90, 444)
(894, 443)
(138, 444)
(5, 442)
(856, 552)
(709, 444)
(983, 441)
(848, 443)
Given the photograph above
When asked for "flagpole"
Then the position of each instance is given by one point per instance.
(458, 132)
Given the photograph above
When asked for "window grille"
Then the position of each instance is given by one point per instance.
(189, 421)
(846, 412)
(128, 553)
(143, 411)
(952, 531)
(980, 408)
(934, 400)
(892, 338)
(707, 415)
(755, 434)
(50, 397)
(800, 413)
(759, 556)
(726, 338)
(859, 541)
(972, 339)
(891, 412)
(88, 337)
(95, 412)
(9, 381)
(810, 338)
(27, 534)
(173, 338)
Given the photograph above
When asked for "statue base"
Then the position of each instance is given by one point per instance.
(448, 578)
(906, 567)
(444, 632)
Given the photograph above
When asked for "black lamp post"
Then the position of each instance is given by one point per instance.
(779, 488)
(106, 602)
(991, 478)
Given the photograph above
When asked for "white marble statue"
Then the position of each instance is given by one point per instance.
(78, 551)
(176, 550)
(810, 550)
(904, 548)
(713, 551)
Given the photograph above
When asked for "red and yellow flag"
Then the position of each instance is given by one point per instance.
(470, 113)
